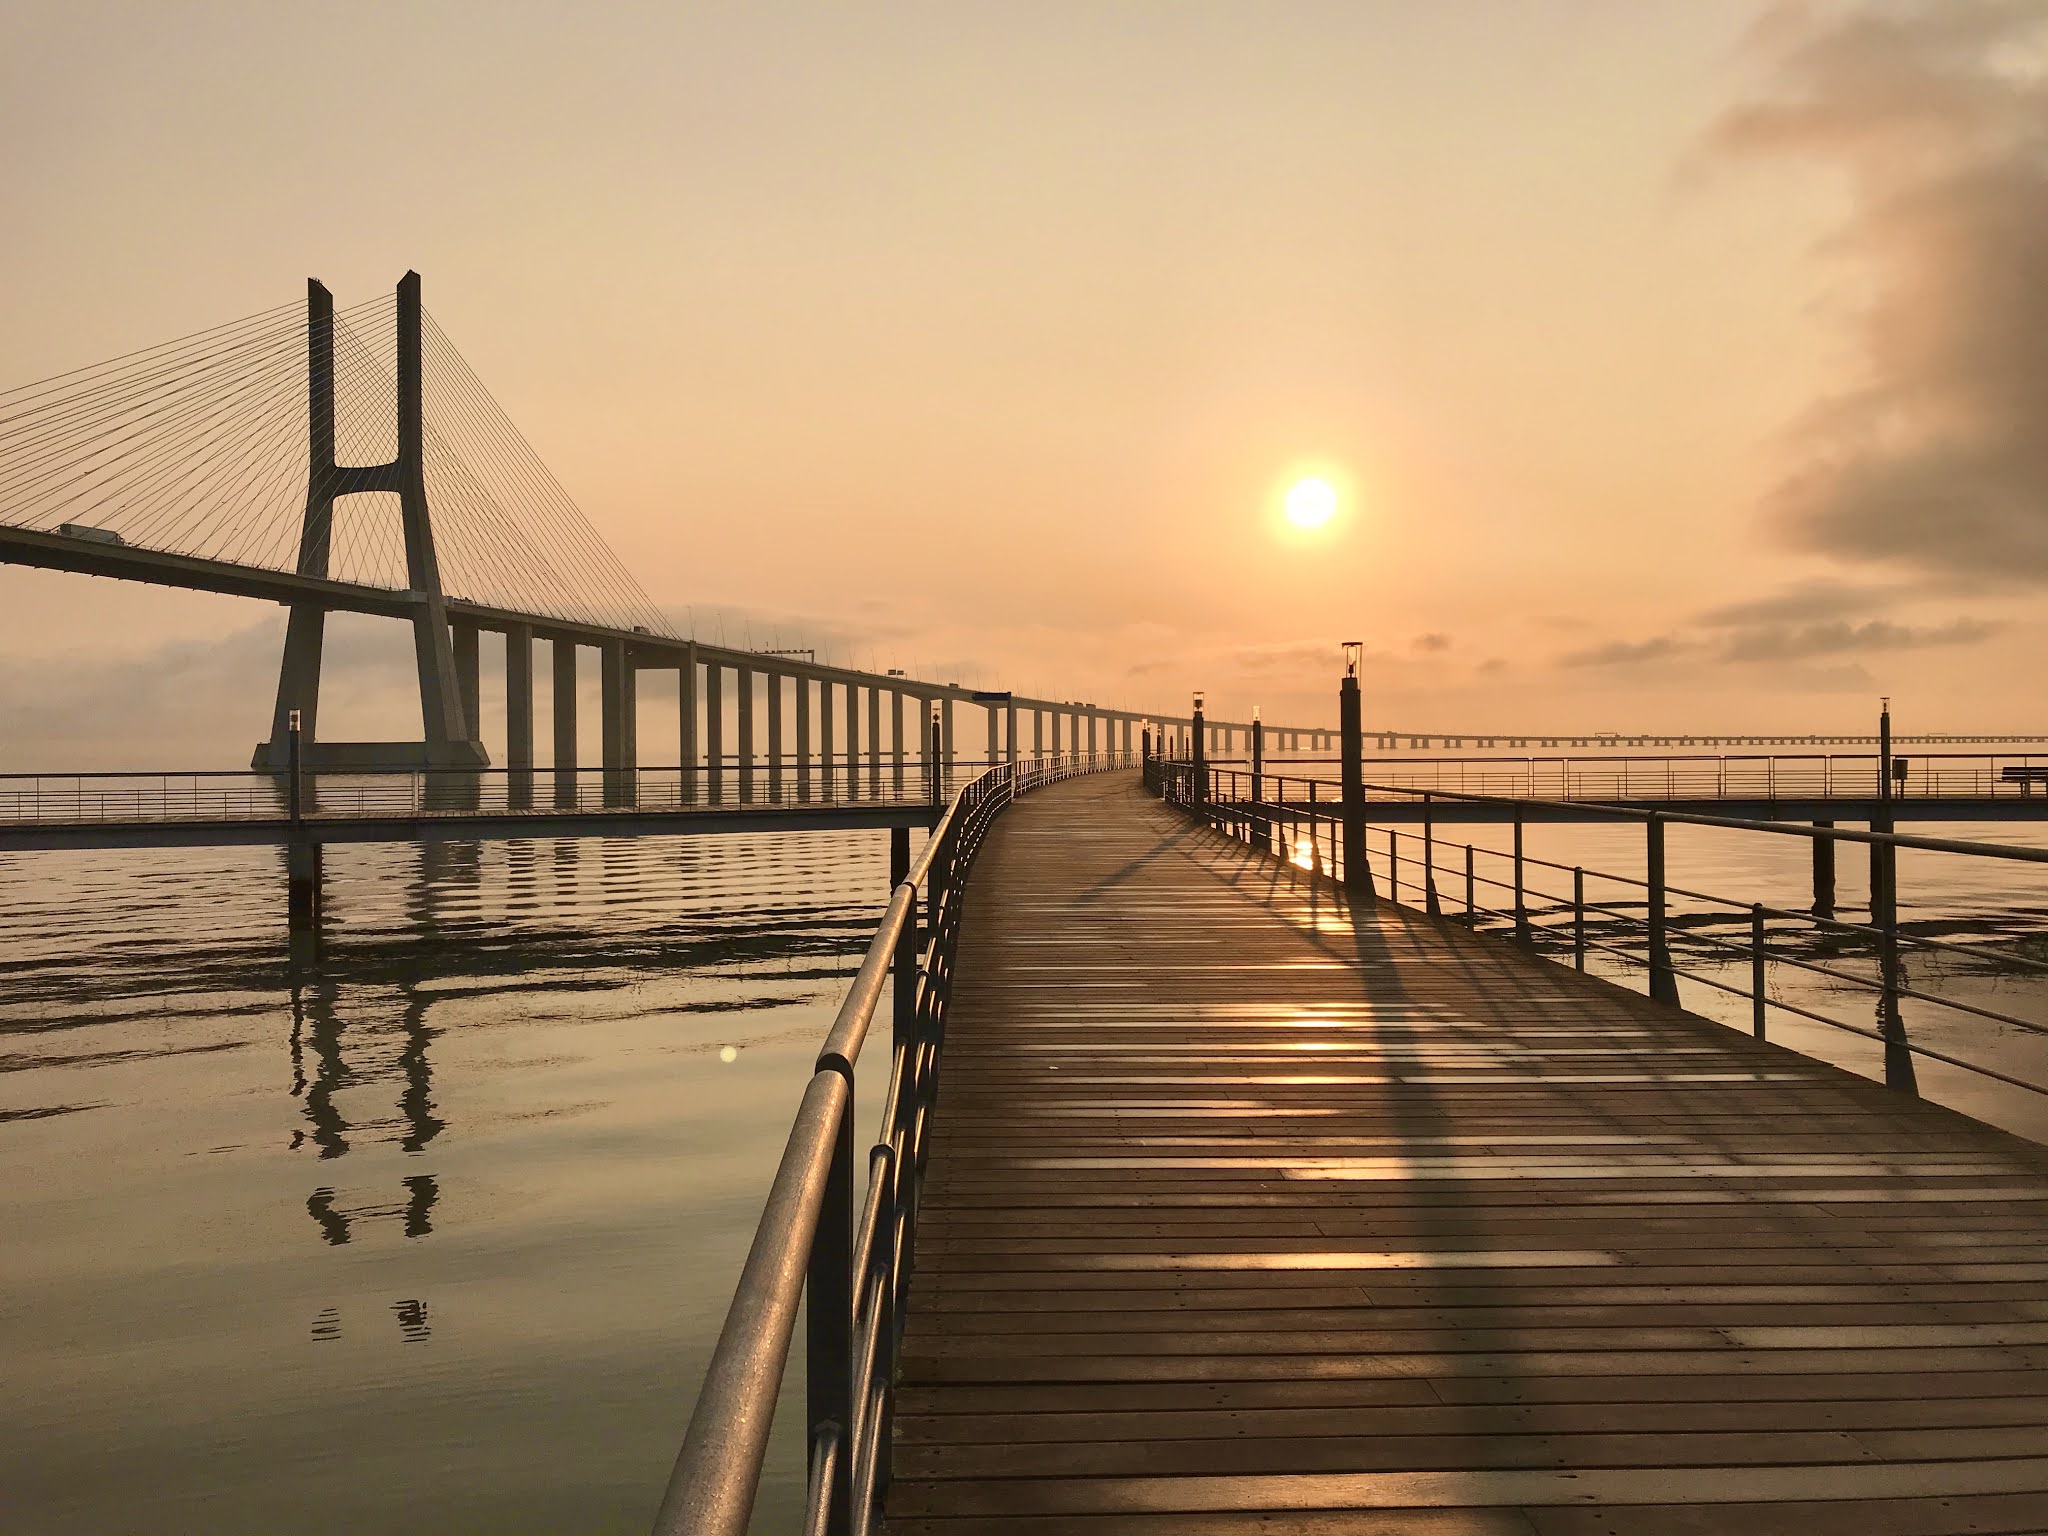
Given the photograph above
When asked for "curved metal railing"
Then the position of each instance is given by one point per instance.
(852, 1264)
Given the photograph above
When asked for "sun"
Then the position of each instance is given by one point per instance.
(1311, 503)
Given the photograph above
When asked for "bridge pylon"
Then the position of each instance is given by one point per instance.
(448, 736)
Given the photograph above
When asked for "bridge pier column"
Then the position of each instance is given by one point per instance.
(928, 749)
(826, 769)
(618, 722)
(853, 741)
(519, 715)
(774, 703)
(564, 706)
(1824, 872)
(468, 675)
(874, 742)
(897, 743)
(803, 738)
(1010, 735)
(714, 731)
(743, 698)
(994, 743)
(1038, 733)
(686, 720)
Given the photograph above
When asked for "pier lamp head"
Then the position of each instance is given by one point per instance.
(1199, 697)
(1353, 649)
(1255, 714)
(294, 720)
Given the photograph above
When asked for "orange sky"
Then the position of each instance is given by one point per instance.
(982, 338)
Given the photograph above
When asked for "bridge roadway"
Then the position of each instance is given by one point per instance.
(1248, 1211)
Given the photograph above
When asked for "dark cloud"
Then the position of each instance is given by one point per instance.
(1732, 641)
(1789, 642)
(1937, 113)
(1807, 602)
(1432, 642)
(1628, 653)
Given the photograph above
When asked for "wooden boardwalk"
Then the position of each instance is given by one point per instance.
(1250, 1213)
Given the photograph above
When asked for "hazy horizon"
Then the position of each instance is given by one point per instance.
(1680, 366)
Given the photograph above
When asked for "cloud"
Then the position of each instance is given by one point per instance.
(1789, 642)
(1432, 642)
(1807, 601)
(1628, 653)
(1936, 113)
(1729, 640)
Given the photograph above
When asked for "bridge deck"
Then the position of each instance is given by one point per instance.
(1249, 1213)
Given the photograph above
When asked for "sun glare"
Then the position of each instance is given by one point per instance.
(1311, 503)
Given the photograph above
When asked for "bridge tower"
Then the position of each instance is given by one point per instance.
(448, 734)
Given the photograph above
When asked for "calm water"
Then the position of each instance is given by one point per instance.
(432, 1231)
(429, 1232)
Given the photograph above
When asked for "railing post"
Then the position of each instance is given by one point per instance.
(1663, 983)
(828, 1323)
(1579, 918)
(1471, 906)
(903, 972)
(1899, 1071)
(934, 770)
(1521, 895)
(1759, 1001)
(295, 758)
(1430, 904)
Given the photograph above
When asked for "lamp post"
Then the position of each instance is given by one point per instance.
(1351, 735)
(1200, 754)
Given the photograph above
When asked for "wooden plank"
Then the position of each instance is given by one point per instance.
(1249, 1211)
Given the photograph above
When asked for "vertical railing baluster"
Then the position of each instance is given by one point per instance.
(1471, 910)
(1663, 983)
(1579, 918)
(1522, 935)
(1429, 900)
(1899, 1071)
(1759, 1000)
(828, 1321)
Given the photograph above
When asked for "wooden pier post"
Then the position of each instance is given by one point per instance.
(1351, 733)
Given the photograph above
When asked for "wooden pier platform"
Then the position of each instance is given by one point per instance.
(1247, 1212)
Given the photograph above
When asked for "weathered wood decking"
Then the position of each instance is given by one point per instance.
(1249, 1213)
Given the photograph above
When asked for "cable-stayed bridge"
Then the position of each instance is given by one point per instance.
(351, 460)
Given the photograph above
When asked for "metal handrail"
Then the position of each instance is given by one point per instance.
(1256, 819)
(853, 1265)
(1579, 778)
(725, 782)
